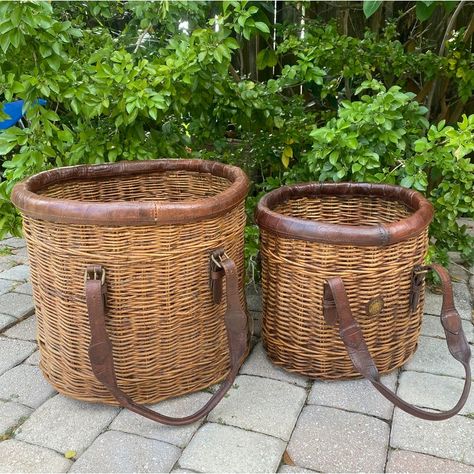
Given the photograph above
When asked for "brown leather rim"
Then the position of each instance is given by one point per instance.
(380, 235)
(25, 198)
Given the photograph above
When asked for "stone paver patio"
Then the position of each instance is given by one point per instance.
(271, 421)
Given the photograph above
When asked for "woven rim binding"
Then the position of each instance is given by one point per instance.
(25, 198)
(378, 235)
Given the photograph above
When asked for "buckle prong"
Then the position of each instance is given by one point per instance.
(94, 274)
(221, 257)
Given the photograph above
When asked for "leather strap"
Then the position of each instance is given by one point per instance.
(354, 342)
(101, 354)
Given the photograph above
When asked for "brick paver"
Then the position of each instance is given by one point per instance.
(114, 451)
(16, 456)
(410, 462)
(25, 330)
(433, 356)
(6, 286)
(24, 288)
(12, 414)
(16, 304)
(34, 359)
(177, 435)
(17, 273)
(432, 326)
(6, 321)
(262, 405)
(64, 424)
(354, 395)
(462, 301)
(259, 364)
(433, 391)
(220, 448)
(13, 351)
(271, 420)
(25, 384)
(332, 440)
(450, 439)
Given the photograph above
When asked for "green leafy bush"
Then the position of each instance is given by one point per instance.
(124, 82)
(385, 138)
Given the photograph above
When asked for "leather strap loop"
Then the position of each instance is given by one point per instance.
(353, 339)
(101, 354)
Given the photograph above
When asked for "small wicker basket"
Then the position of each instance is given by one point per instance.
(343, 281)
(154, 234)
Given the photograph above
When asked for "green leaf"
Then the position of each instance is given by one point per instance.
(286, 155)
(5, 42)
(449, 5)
(231, 43)
(334, 157)
(420, 160)
(421, 145)
(15, 16)
(45, 51)
(5, 26)
(263, 27)
(370, 7)
(278, 121)
(70, 454)
(6, 147)
(54, 62)
(266, 58)
(407, 181)
(352, 143)
(218, 55)
(241, 20)
(423, 11)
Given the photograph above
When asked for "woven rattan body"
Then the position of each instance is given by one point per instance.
(375, 264)
(167, 334)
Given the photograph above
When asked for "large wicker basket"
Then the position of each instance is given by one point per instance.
(343, 281)
(154, 234)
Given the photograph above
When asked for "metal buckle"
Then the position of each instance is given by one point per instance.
(421, 270)
(222, 256)
(93, 274)
(417, 279)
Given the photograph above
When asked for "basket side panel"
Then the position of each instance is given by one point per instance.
(294, 331)
(168, 336)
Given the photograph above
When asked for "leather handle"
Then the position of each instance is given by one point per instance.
(356, 346)
(101, 354)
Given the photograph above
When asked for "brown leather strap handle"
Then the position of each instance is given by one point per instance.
(354, 342)
(100, 348)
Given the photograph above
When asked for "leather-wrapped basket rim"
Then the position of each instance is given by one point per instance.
(26, 198)
(342, 234)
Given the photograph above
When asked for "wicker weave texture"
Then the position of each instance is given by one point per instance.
(295, 334)
(168, 335)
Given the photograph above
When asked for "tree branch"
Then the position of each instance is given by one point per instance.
(234, 73)
(141, 38)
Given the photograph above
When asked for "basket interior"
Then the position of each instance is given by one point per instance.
(154, 186)
(348, 210)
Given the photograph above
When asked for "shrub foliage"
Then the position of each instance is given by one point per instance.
(123, 81)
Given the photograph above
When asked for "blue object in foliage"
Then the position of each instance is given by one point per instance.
(15, 111)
